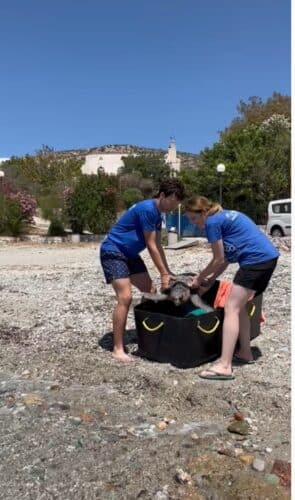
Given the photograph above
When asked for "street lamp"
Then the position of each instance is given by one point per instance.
(220, 170)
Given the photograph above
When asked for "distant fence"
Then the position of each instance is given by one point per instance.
(186, 228)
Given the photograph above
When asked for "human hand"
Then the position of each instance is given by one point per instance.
(205, 285)
(194, 283)
(165, 280)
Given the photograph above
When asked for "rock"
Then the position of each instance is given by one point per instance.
(272, 479)
(32, 399)
(182, 477)
(239, 427)
(247, 459)
(162, 425)
(228, 452)
(54, 387)
(75, 420)
(258, 465)
(239, 416)
(282, 469)
(60, 405)
(162, 494)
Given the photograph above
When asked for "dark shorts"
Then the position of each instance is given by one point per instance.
(255, 276)
(116, 265)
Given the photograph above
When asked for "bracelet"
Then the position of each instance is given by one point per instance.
(164, 274)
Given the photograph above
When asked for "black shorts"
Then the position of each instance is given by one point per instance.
(255, 276)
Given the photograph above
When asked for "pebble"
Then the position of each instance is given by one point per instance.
(239, 427)
(75, 420)
(182, 477)
(258, 465)
(247, 459)
(162, 494)
(272, 479)
(162, 425)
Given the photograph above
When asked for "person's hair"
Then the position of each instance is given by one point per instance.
(199, 204)
(171, 186)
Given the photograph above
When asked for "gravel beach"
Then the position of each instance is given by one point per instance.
(76, 424)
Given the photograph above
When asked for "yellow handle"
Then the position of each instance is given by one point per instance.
(252, 310)
(208, 332)
(152, 329)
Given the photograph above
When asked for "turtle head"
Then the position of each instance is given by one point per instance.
(179, 293)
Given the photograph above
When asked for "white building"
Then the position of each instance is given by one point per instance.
(2, 160)
(111, 162)
(171, 156)
(106, 162)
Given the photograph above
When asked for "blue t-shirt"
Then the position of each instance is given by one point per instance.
(243, 241)
(126, 235)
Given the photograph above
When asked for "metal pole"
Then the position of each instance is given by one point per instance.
(220, 189)
(179, 220)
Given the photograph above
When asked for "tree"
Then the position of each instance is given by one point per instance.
(255, 111)
(257, 159)
(131, 196)
(151, 166)
(92, 204)
(45, 176)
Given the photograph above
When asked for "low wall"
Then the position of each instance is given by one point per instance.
(282, 243)
(49, 240)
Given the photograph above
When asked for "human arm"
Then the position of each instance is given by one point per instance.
(161, 250)
(215, 267)
(157, 254)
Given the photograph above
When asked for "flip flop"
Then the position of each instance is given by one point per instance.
(215, 375)
(241, 361)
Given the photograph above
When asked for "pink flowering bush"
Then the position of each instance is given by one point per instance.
(28, 205)
(16, 210)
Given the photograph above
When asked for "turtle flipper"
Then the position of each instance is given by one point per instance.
(155, 297)
(198, 302)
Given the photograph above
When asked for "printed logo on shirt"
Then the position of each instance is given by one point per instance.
(231, 252)
(231, 214)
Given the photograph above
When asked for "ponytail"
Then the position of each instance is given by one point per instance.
(215, 207)
(202, 204)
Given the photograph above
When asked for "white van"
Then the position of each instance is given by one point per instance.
(279, 218)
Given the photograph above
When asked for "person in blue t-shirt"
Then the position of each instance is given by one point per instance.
(234, 238)
(138, 228)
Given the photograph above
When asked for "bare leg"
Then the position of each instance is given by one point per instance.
(236, 302)
(143, 282)
(244, 350)
(122, 288)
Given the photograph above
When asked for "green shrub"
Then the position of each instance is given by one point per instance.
(131, 196)
(12, 219)
(56, 228)
(92, 204)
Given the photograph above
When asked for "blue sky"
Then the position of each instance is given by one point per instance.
(78, 74)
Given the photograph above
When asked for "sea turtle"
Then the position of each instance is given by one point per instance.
(179, 292)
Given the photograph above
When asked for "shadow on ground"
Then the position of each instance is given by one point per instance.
(106, 342)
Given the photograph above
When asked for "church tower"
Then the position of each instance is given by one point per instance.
(171, 156)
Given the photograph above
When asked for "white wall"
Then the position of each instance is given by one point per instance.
(110, 162)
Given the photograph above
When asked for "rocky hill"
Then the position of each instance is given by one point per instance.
(187, 159)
